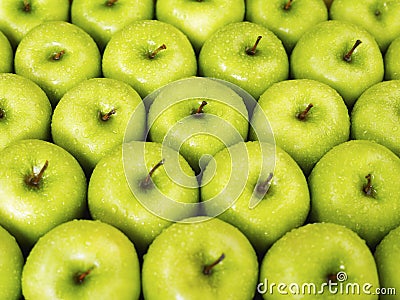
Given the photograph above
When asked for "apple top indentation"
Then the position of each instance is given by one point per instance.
(347, 56)
(2, 113)
(110, 3)
(33, 179)
(27, 6)
(303, 115)
(147, 182)
(207, 270)
(253, 50)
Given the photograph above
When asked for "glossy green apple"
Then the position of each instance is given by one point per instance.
(91, 119)
(57, 56)
(25, 110)
(387, 257)
(11, 263)
(200, 19)
(331, 52)
(392, 63)
(319, 261)
(82, 259)
(274, 197)
(120, 189)
(149, 54)
(18, 17)
(41, 186)
(288, 19)
(356, 185)
(102, 18)
(197, 117)
(378, 120)
(246, 54)
(307, 118)
(201, 259)
(380, 18)
(6, 55)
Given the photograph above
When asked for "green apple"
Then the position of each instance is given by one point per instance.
(246, 54)
(25, 110)
(18, 17)
(356, 185)
(6, 55)
(307, 118)
(319, 261)
(380, 18)
(378, 120)
(391, 61)
(200, 259)
(200, 19)
(82, 259)
(122, 193)
(102, 18)
(288, 19)
(387, 257)
(197, 117)
(340, 54)
(57, 56)
(91, 119)
(11, 263)
(41, 186)
(149, 54)
(273, 180)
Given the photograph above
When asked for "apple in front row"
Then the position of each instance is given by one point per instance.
(82, 259)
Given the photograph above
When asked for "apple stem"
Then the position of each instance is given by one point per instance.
(147, 181)
(108, 115)
(301, 116)
(27, 6)
(288, 5)
(253, 50)
(80, 277)
(200, 109)
(2, 113)
(347, 57)
(58, 55)
(208, 269)
(155, 52)
(368, 188)
(110, 2)
(331, 278)
(34, 179)
(263, 187)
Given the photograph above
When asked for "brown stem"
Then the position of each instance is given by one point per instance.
(331, 278)
(303, 115)
(110, 2)
(27, 6)
(108, 115)
(368, 188)
(34, 179)
(288, 5)
(347, 57)
(253, 50)
(80, 277)
(208, 269)
(200, 109)
(58, 55)
(147, 181)
(263, 187)
(155, 52)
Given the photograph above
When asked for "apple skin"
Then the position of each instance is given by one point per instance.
(387, 257)
(311, 253)
(326, 125)
(380, 18)
(392, 63)
(337, 190)
(287, 24)
(6, 55)
(28, 212)
(34, 57)
(224, 56)
(285, 205)
(319, 55)
(76, 247)
(126, 56)
(77, 125)
(113, 199)
(15, 22)
(200, 19)
(26, 108)
(11, 264)
(378, 120)
(172, 268)
(101, 20)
